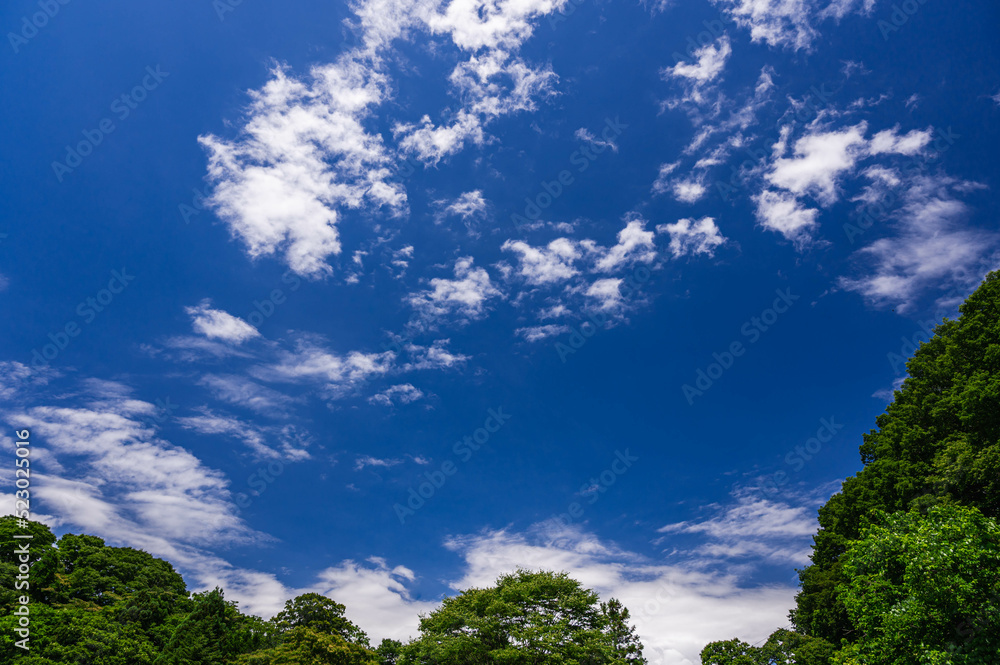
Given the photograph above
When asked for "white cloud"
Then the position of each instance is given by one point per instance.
(753, 526)
(689, 191)
(311, 363)
(404, 393)
(607, 293)
(889, 394)
(468, 205)
(241, 391)
(18, 381)
(584, 134)
(689, 236)
(431, 144)
(302, 156)
(134, 489)
(635, 245)
(435, 356)
(545, 265)
(367, 460)
(463, 299)
(782, 212)
(219, 325)
(266, 442)
(189, 348)
(662, 183)
(699, 79)
(819, 158)
(537, 333)
(124, 476)
(380, 600)
(889, 141)
(709, 63)
(932, 247)
(789, 23)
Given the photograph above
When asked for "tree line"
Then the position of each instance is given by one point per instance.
(905, 567)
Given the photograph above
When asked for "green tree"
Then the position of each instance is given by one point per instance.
(307, 646)
(40, 547)
(787, 646)
(82, 635)
(925, 589)
(937, 443)
(214, 633)
(731, 652)
(389, 651)
(783, 647)
(311, 610)
(528, 618)
(625, 641)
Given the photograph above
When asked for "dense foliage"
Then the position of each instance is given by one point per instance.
(91, 604)
(531, 618)
(905, 558)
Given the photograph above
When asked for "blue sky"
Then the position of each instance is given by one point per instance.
(617, 286)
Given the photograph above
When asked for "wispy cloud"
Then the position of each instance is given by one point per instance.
(216, 324)
(460, 300)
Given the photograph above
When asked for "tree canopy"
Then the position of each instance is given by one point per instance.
(92, 604)
(537, 618)
(931, 469)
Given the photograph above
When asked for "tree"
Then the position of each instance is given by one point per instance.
(937, 443)
(311, 610)
(40, 549)
(783, 647)
(389, 651)
(731, 652)
(303, 645)
(213, 633)
(925, 589)
(530, 618)
(624, 639)
(76, 635)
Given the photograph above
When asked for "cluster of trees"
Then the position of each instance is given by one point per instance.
(91, 604)
(905, 568)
